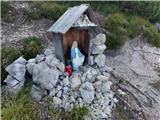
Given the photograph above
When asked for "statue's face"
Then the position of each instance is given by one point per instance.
(74, 44)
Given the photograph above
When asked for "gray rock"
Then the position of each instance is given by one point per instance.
(106, 86)
(57, 101)
(98, 85)
(14, 90)
(30, 67)
(59, 93)
(65, 89)
(40, 58)
(59, 87)
(103, 78)
(106, 69)
(100, 60)
(36, 93)
(32, 60)
(17, 69)
(52, 92)
(67, 106)
(97, 49)
(66, 81)
(10, 81)
(75, 82)
(99, 39)
(91, 60)
(87, 92)
(44, 76)
(48, 51)
(52, 61)
(61, 67)
(21, 60)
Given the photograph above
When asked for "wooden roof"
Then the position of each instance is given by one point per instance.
(65, 22)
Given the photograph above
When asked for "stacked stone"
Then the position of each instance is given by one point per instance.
(16, 78)
(97, 47)
(90, 86)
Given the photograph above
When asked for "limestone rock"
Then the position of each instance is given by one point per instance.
(97, 49)
(100, 60)
(36, 93)
(44, 76)
(40, 58)
(57, 101)
(87, 92)
(10, 81)
(17, 69)
(75, 82)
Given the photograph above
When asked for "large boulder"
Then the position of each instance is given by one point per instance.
(44, 76)
(87, 92)
(16, 78)
(17, 69)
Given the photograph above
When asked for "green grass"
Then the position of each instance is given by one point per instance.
(8, 13)
(153, 35)
(8, 55)
(48, 9)
(21, 107)
(78, 113)
(31, 47)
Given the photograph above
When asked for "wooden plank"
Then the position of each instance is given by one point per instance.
(93, 19)
(58, 46)
(65, 22)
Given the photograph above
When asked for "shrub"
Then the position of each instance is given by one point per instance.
(149, 10)
(78, 113)
(153, 36)
(8, 55)
(31, 47)
(117, 25)
(136, 26)
(7, 12)
(50, 10)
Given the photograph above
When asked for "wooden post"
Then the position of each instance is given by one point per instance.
(58, 45)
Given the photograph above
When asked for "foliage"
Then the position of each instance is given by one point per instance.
(117, 25)
(8, 55)
(78, 113)
(153, 36)
(23, 108)
(7, 12)
(47, 9)
(149, 10)
(31, 47)
(136, 25)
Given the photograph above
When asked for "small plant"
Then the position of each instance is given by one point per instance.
(152, 35)
(157, 85)
(8, 55)
(7, 12)
(31, 47)
(78, 113)
(117, 25)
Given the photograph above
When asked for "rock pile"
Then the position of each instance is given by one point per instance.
(90, 86)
